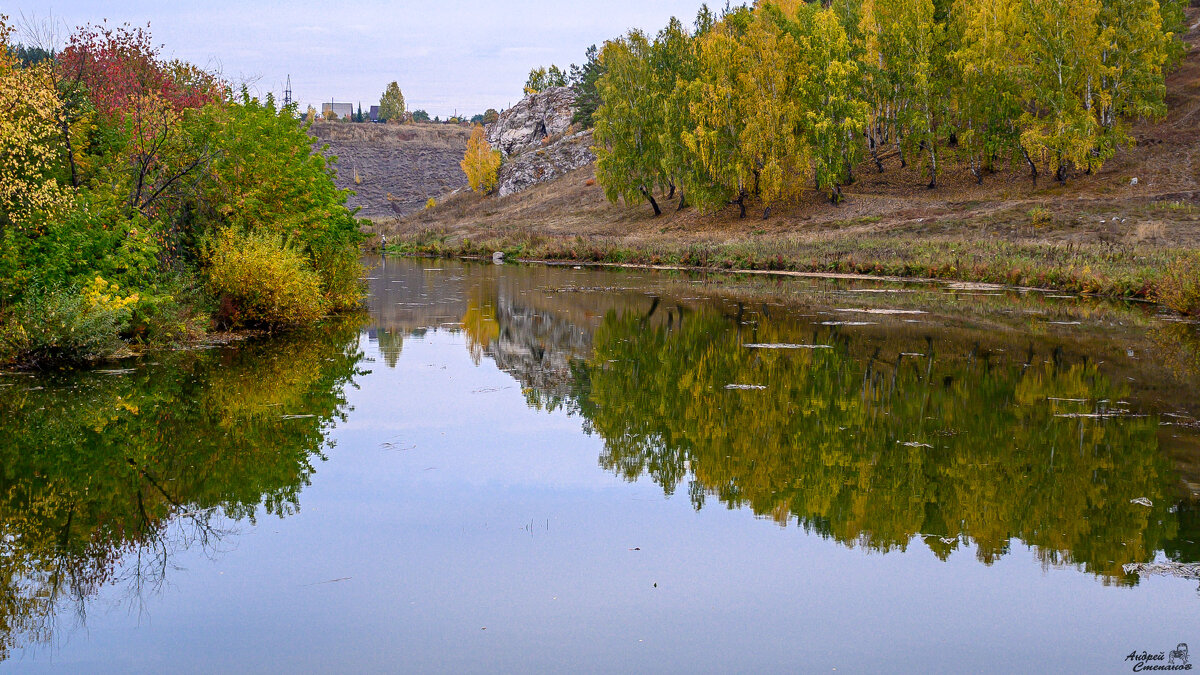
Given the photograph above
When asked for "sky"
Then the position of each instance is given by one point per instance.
(448, 56)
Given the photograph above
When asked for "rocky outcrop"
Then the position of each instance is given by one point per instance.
(538, 116)
(545, 163)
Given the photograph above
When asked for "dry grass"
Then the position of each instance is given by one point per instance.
(425, 135)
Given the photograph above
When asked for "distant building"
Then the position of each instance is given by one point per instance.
(344, 111)
(374, 113)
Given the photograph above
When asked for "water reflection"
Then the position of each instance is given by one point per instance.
(870, 428)
(875, 445)
(107, 475)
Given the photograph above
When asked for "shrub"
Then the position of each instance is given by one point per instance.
(431, 203)
(1040, 216)
(62, 327)
(173, 315)
(1179, 286)
(262, 281)
(341, 277)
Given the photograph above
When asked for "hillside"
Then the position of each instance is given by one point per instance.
(394, 169)
(889, 222)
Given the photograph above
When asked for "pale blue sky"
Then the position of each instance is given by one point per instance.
(464, 55)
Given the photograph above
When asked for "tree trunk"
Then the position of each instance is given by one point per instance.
(741, 202)
(766, 213)
(653, 204)
(932, 166)
(874, 147)
(1032, 167)
(671, 195)
(835, 195)
(66, 130)
(682, 202)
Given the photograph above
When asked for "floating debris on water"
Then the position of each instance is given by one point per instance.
(1067, 400)
(783, 345)
(1101, 415)
(879, 290)
(116, 371)
(848, 323)
(884, 311)
(1142, 501)
(745, 386)
(1065, 323)
(296, 417)
(488, 390)
(1171, 569)
(915, 444)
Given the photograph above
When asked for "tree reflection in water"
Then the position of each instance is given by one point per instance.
(875, 448)
(107, 475)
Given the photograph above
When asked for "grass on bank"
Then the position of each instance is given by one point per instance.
(1111, 270)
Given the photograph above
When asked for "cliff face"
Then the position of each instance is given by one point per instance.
(536, 140)
(529, 168)
(538, 116)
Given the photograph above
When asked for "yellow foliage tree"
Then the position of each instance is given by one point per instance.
(481, 163)
(29, 140)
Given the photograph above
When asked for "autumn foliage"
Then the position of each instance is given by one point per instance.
(117, 66)
(122, 168)
(481, 163)
(772, 101)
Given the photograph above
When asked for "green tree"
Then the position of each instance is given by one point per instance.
(985, 90)
(583, 82)
(1132, 84)
(391, 104)
(420, 116)
(541, 78)
(673, 63)
(628, 123)
(717, 104)
(833, 116)
(1059, 69)
(903, 61)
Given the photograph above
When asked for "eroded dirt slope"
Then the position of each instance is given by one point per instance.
(395, 169)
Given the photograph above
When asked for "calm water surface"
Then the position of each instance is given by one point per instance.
(510, 468)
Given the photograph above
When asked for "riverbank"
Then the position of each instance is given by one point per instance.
(1110, 269)
(1129, 230)
(1104, 234)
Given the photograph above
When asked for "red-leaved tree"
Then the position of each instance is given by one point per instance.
(119, 65)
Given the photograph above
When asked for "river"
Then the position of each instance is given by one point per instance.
(554, 468)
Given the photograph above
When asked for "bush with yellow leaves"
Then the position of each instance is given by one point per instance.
(262, 281)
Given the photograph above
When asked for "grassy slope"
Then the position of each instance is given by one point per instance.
(1102, 234)
(394, 169)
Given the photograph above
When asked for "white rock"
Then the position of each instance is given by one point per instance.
(545, 164)
(523, 126)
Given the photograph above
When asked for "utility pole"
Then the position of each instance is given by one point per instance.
(287, 92)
